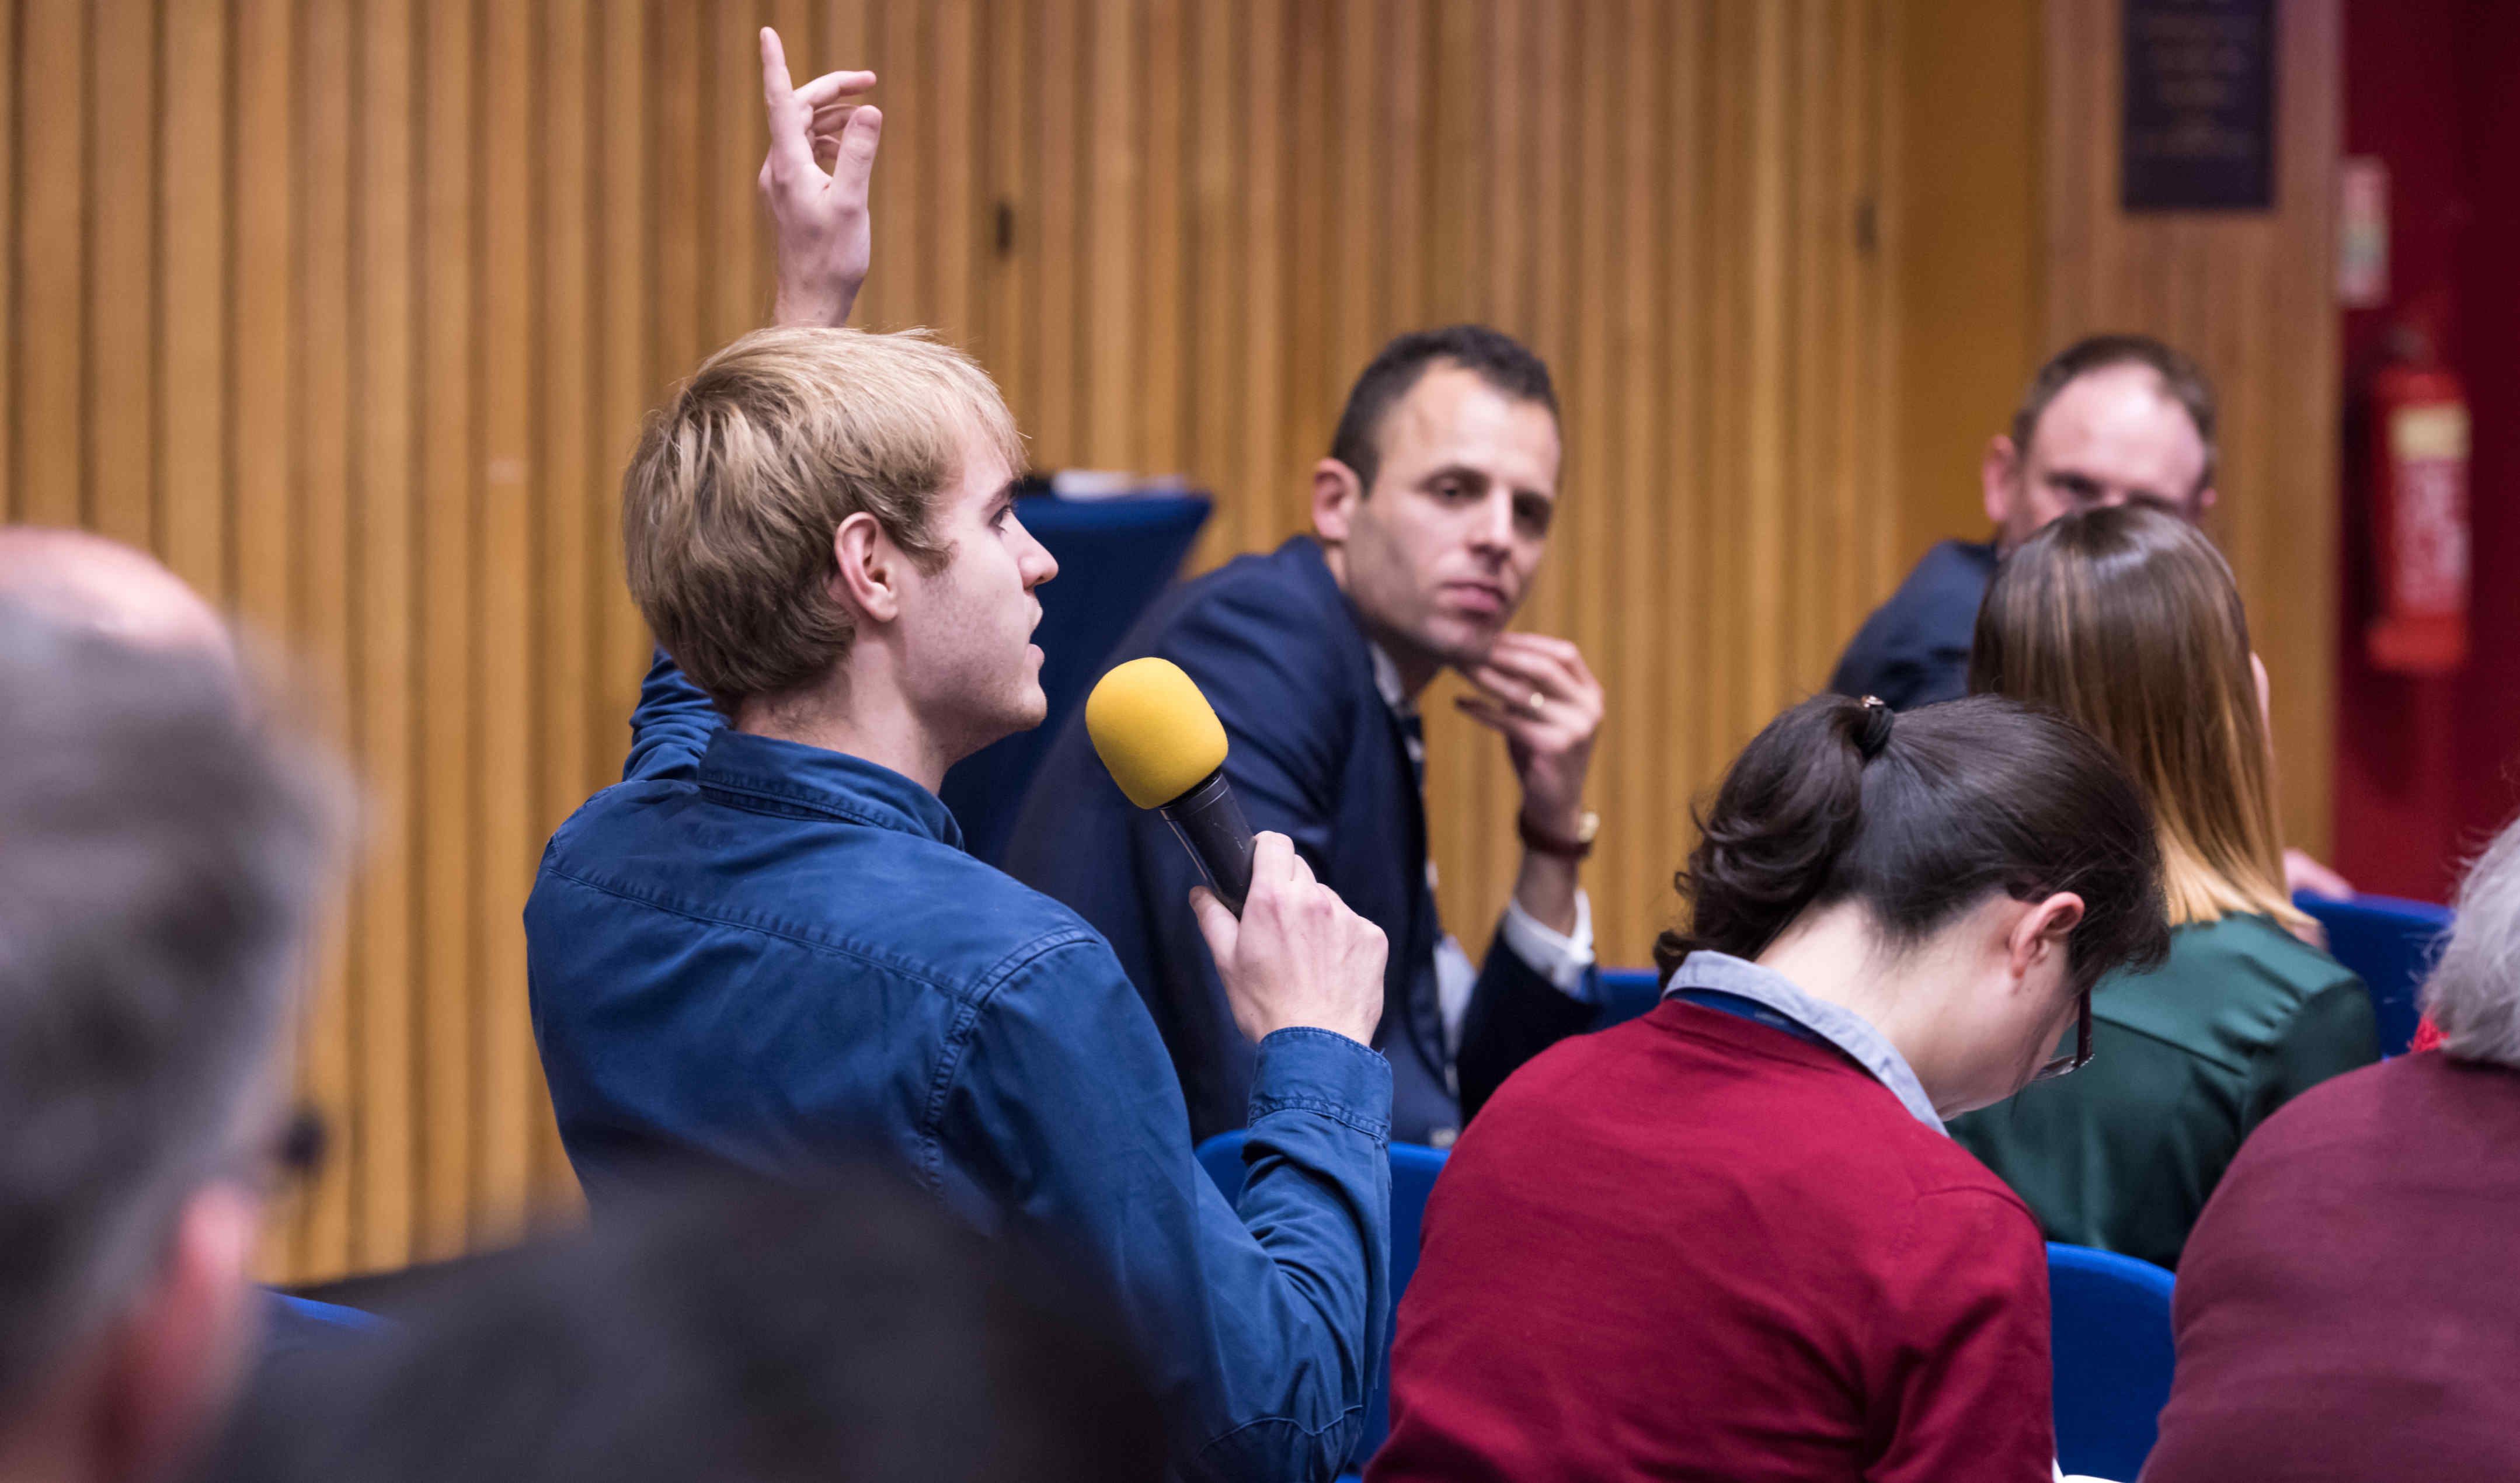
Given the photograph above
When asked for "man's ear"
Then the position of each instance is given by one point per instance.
(869, 569)
(2205, 498)
(2040, 932)
(1337, 492)
(1998, 479)
(176, 1357)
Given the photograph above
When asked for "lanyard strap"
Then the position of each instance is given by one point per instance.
(1750, 1008)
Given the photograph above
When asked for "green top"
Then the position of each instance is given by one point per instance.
(2186, 1060)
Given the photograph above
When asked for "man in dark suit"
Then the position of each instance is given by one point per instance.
(1430, 515)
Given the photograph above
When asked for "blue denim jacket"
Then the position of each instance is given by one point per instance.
(771, 953)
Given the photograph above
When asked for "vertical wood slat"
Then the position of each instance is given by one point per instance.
(625, 348)
(12, 486)
(1217, 248)
(124, 297)
(569, 574)
(261, 452)
(1262, 374)
(953, 227)
(1112, 227)
(364, 354)
(1053, 242)
(49, 336)
(384, 1131)
(731, 123)
(449, 464)
(1162, 336)
(322, 505)
(507, 556)
(1634, 758)
(260, 288)
(1010, 233)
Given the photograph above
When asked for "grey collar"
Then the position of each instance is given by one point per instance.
(1835, 1023)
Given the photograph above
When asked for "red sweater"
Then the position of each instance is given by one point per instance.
(1695, 1246)
(2346, 1309)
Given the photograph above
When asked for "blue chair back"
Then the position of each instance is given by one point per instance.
(2390, 944)
(290, 1307)
(2110, 1340)
(1413, 1168)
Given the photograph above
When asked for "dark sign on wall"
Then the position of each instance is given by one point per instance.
(2200, 96)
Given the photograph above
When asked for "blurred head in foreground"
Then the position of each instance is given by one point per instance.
(712, 1329)
(2473, 996)
(85, 582)
(159, 854)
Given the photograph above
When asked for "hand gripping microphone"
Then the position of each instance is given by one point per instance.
(1166, 749)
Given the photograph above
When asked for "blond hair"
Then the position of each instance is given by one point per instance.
(729, 508)
(2127, 620)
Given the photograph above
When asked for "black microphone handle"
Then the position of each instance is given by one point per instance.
(1212, 828)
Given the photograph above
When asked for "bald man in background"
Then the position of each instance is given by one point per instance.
(2110, 419)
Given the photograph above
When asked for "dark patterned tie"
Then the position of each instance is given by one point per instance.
(1413, 728)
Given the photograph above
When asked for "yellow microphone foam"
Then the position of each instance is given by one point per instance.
(1154, 730)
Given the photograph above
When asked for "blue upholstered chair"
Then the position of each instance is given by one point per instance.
(1412, 1179)
(2110, 1340)
(1627, 993)
(2390, 944)
(288, 1307)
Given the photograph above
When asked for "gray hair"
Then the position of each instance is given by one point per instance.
(159, 854)
(2473, 995)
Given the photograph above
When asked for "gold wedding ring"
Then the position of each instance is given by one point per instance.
(1532, 706)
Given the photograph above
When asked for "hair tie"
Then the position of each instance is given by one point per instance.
(1875, 732)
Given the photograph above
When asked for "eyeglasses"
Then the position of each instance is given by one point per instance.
(2067, 1065)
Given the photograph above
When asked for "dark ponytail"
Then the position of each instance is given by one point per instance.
(1920, 819)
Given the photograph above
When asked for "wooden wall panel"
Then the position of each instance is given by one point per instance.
(358, 326)
(2248, 295)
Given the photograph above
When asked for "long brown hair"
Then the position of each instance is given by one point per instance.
(2127, 619)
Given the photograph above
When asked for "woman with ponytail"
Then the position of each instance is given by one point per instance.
(1730, 1240)
(2127, 620)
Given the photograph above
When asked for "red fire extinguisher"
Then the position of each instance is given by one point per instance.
(2418, 449)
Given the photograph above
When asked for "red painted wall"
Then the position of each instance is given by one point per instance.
(2427, 769)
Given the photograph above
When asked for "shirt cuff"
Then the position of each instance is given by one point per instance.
(1559, 957)
(1313, 1070)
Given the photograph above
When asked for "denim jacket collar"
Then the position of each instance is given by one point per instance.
(1838, 1024)
(773, 776)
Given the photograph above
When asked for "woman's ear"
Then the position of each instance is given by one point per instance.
(2041, 931)
(866, 579)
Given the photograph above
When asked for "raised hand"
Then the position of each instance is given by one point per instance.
(814, 184)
